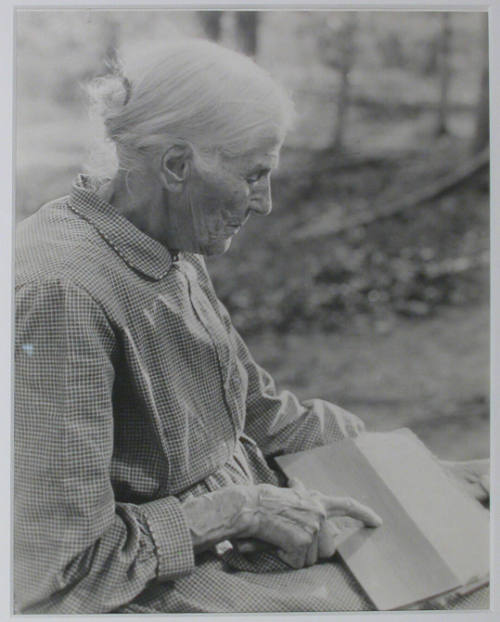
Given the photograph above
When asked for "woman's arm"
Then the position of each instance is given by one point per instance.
(277, 420)
(280, 423)
(75, 549)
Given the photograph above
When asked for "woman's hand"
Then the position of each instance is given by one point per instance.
(294, 520)
(472, 475)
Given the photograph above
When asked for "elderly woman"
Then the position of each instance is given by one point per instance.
(143, 425)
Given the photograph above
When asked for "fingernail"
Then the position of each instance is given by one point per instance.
(223, 547)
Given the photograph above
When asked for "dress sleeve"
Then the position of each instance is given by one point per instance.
(75, 549)
(280, 423)
(277, 420)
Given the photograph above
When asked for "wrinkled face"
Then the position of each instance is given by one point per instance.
(217, 204)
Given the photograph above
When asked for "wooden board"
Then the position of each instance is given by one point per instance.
(420, 551)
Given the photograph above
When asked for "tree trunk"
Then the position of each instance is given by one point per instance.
(482, 130)
(444, 73)
(211, 22)
(329, 225)
(247, 23)
(347, 44)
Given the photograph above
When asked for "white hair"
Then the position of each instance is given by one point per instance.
(190, 91)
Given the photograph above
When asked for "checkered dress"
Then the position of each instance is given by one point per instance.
(132, 392)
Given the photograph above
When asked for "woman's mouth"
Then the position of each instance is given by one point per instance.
(233, 228)
(226, 232)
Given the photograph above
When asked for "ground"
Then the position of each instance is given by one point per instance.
(430, 375)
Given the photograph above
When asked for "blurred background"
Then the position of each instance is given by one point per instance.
(369, 283)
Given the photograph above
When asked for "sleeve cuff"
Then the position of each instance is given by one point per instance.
(337, 423)
(171, 536)
(350, 424)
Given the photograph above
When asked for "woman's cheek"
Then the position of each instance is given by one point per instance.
(238, 200)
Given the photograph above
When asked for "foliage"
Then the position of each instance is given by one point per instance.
(409, 265)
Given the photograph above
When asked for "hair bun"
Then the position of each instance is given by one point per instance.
(108, 94)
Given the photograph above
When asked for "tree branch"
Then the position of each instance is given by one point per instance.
(328, 224)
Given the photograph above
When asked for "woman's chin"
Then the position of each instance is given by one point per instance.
(217, 247)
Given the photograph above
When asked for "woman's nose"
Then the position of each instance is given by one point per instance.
(262, 202)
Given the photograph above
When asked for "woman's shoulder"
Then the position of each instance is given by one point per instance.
(55, 243)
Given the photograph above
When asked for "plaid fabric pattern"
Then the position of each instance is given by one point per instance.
(133, 391)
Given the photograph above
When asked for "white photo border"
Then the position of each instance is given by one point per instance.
(7, 219)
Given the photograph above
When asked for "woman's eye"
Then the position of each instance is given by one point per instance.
(252, 179)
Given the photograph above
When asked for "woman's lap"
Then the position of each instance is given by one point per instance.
(215, 587)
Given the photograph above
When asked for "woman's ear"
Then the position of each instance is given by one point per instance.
(175, 167)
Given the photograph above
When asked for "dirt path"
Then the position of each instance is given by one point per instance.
(430, 375)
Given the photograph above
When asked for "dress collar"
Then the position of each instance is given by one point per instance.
(138, 250)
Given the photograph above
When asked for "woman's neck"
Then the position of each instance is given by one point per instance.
(142, 202)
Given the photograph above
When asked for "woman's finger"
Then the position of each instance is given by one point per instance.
(472, 476)
(327, 540)
(312, 552)
(346, 506)
(251, 545)
(295, 559)
(339, 506)
(288, 534)
(475, 489)
(296, 484)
